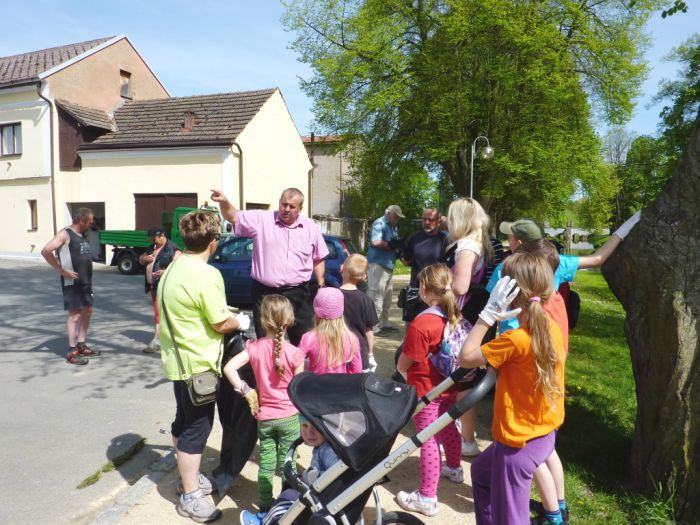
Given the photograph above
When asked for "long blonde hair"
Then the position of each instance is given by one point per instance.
(437, 279)
(466, 219)
(536, 281)
(276, 315)
(331, 334)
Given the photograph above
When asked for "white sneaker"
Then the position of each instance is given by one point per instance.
(469, 450)
(455, 475)
(414, 502)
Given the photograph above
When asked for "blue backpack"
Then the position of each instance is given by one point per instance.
(446, 359)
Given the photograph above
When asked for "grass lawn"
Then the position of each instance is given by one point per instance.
(595, 440)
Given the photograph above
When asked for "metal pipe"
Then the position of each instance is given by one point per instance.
(51, 149)
(241, 201)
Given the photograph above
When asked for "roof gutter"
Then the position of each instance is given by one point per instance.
(39, 87)
(156, 144)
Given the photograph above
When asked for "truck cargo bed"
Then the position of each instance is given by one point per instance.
(131, 238)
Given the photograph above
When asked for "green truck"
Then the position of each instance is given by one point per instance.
(128, 245)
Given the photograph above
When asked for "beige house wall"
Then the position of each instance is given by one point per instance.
(114, 177)
(330, 172)
(274, 157)
(14, 200)
(94, 81)
(25, 177)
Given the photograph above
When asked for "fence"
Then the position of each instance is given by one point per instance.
(354, 229)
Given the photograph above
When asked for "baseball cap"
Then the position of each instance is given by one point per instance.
(329, 303)
(155, 230)
(395, 209)
(523, 229)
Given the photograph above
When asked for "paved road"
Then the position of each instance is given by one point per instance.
(62, 422)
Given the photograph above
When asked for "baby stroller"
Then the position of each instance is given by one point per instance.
(360, 415)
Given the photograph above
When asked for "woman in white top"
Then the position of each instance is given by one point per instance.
(468, 224)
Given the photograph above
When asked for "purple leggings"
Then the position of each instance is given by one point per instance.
(430, 460)
(501, 479)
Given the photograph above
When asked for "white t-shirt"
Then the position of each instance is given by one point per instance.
(472, 246)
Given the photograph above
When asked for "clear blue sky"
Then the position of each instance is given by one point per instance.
(215, 46)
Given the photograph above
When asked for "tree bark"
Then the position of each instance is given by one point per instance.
(655, 274)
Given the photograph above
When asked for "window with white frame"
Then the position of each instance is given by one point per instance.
(10, 139)
(32, 217)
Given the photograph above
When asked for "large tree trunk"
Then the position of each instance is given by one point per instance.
(655, 274)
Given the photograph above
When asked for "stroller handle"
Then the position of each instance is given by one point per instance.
(475, 394)
(289, 471)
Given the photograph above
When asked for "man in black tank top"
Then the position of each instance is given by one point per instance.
(69, 254)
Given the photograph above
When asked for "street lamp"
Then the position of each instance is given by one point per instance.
(486, 153)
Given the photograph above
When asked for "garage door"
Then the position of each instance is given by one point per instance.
(150, 206)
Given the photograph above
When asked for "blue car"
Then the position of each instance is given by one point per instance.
(233, 259)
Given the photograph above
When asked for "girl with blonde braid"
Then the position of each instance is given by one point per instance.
(332, 348)
(274, 362)
(529, 400)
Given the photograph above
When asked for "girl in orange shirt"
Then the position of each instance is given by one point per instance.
(529, 400)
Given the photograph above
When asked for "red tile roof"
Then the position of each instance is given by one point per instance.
(25, 68)
(95, 118)
(218, 119)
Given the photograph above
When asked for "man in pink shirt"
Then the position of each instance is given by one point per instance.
(287, 250)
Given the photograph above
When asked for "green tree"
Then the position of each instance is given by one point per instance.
(416, 82)
(683, 97)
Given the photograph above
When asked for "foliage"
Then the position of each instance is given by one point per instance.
(644, 165)
(416, 82)
(681, 113)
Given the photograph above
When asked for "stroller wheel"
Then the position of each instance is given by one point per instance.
(400, 518)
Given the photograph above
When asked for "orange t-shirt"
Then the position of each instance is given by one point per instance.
(556, 308)
(521, 411)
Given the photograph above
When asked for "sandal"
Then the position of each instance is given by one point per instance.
(87, 351)
(75, 358)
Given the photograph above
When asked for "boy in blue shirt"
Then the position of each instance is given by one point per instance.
(524, 230)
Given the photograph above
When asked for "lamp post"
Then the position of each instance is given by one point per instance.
(486, 153)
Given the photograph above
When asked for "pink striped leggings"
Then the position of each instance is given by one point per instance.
(430, 459)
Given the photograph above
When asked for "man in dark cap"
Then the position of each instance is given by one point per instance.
(156, 259)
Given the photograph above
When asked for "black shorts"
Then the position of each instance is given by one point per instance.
(192, 424)
(77, 296)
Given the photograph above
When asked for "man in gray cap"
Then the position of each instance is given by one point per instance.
(381, 256)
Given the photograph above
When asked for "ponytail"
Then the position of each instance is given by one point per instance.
(437, 279)
(536, 281)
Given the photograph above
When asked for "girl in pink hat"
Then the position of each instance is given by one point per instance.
(331, 347)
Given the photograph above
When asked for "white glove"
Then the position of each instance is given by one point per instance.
(243, 321)
(496, 309)
(627, 226)
(372, 363)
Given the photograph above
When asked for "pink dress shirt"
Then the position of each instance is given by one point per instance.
(272, 388)
(318, 364)
(282, 255)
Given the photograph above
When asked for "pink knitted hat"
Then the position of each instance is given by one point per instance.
(329, 303)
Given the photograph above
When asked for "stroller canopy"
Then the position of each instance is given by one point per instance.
(358, 414)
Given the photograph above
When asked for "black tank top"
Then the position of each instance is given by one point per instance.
(76, 256)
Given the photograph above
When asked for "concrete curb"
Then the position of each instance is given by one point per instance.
(131, 496)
